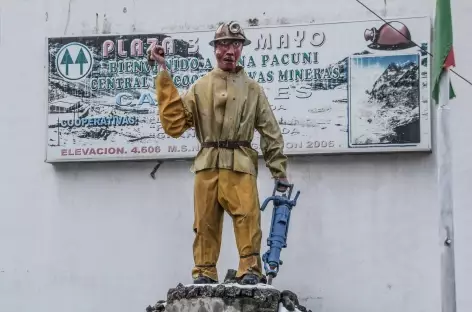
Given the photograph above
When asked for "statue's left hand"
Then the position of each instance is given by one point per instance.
(282, 188)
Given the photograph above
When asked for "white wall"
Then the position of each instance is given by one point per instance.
(106, 237)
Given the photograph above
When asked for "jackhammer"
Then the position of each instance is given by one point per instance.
(278, 229)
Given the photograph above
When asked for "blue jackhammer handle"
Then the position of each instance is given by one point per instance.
(295, 199)
(293, 202)
(266, 202)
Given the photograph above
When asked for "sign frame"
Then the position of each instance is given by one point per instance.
(376, 149)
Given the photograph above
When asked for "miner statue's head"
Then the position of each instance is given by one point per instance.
(228, 44)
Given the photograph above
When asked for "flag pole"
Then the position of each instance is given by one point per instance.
(446, 202)
(443, 60)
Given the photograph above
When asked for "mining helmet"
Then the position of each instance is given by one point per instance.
(390, 36)
(232, 31)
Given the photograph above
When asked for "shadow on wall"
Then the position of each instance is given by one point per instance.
(379, 159)
(296, 163)
(124, 178)
(121, 167)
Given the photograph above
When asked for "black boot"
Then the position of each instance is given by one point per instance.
(249, 279)
(204, 280)
(263, 280)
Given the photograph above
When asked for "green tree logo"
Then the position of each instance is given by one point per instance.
(67, 60)
(74, 61)
(81, 60)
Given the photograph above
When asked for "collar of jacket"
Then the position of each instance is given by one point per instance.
(224, 74)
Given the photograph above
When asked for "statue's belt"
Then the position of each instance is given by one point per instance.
(226, 144)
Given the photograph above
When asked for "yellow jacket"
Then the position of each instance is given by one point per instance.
(223, 106)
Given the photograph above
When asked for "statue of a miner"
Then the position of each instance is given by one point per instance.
(224, 107)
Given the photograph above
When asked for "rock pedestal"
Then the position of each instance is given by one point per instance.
(220, 298)
(227, 297)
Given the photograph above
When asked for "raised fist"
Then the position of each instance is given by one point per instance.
(156, 54)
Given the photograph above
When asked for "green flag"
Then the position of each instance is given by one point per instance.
(443, 51)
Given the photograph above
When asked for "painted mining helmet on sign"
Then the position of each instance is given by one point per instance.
(391, 36)
(230, 31)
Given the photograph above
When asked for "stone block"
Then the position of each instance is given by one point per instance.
(228, 297)
(222, 298)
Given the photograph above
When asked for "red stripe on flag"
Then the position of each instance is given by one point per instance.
(450, 59)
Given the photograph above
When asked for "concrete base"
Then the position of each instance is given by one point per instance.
(222, 298)
(228, 297)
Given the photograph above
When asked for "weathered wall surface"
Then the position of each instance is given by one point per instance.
(106, 237)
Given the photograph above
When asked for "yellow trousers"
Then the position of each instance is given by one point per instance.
(217, 191)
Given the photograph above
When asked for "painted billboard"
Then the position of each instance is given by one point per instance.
(345, 87)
